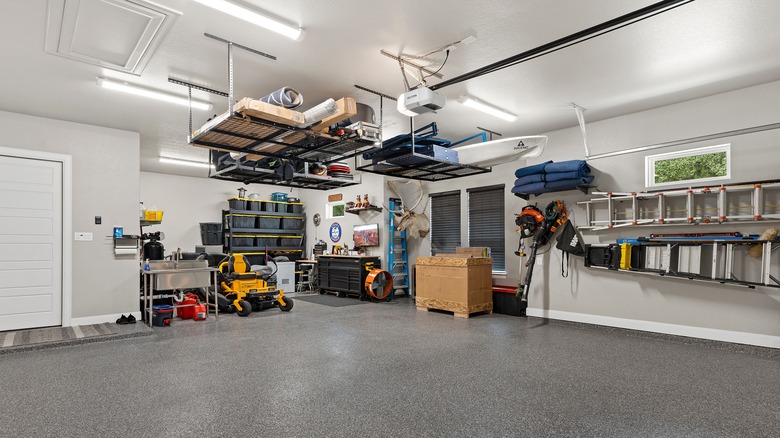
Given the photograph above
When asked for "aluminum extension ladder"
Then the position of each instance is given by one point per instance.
(726, 260)
(397, 254)
(705, 205)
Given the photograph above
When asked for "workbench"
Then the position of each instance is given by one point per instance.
(169, 279)
(344, 274)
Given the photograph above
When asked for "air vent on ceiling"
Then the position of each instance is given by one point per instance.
(118, 34)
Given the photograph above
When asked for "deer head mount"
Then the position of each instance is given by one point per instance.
(418, 224)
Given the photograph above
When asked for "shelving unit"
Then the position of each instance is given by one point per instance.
(357, 211)
(261, 226)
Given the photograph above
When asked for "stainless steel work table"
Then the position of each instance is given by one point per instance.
(177, 278)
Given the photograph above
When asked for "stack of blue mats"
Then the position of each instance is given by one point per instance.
(551, 177)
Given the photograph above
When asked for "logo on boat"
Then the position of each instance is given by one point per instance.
(520, 146)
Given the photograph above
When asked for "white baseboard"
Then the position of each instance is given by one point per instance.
(659, 327)
(98, 319)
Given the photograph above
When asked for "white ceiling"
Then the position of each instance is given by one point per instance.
(699, 49)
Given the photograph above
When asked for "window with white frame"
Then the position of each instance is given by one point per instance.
(445, 222)
(698, 165)
(487, 222)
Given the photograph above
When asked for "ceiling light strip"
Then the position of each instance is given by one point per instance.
(487, 108)
(180, 162)
(138, 90)
(248, 15)
(575, 38)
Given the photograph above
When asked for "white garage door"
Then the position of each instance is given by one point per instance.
(30, 243)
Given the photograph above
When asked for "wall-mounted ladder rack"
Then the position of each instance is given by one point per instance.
(692, 206)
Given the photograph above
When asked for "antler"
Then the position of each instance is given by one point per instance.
(392, 187)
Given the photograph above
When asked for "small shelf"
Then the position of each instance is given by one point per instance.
(362, 209)
(145, 223)
(584, 189)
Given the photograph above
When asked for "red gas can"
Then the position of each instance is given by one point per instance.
(200, 312)
(187, 312)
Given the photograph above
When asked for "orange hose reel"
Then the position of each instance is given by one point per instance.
(379, 276)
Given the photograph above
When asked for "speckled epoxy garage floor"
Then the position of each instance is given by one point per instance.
(387, 370)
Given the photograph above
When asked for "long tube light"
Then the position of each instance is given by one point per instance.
(487, 108)
(152, 94)
(180, 162)
(294, 33)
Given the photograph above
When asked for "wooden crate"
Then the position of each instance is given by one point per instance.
(460, 284)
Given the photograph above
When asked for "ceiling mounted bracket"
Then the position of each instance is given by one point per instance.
(580, 111)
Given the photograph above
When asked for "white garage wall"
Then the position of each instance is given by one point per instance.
(714, 311)
(105, 183)
(188, 201)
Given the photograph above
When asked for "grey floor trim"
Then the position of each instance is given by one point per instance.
(123, 332)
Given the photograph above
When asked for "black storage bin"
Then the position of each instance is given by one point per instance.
(269, 241)
(290, 241)
(268, 223)
(295, 208)
(242, 240)
(237, 204)
(289, 223)
(243, 221)
(211, 226)
(270, 206)
(255, 205)
(211, 238)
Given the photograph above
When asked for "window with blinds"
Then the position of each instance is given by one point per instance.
(486, 222)
(445, 222)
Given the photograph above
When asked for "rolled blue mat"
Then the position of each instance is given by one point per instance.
(285, 97)
(528, 179)
(532, 188)
(567, 184)
(557, 176)
(568, 166)
(530, 170)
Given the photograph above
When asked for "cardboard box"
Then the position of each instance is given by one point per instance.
(476, 251)
(347, 108)
(461, 284)
(266, 111)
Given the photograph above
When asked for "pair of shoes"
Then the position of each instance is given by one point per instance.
(129, 319)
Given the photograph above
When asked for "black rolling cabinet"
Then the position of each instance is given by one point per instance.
(253, 226)
(345, 274)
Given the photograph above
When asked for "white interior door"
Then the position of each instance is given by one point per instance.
(30, 243)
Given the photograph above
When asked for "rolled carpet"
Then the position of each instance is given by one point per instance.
(530, 170)
(532, 188)
(528, 179)
(285, 97)
(567, 184)
(568, 166)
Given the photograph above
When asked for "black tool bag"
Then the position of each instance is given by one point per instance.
(570, 240)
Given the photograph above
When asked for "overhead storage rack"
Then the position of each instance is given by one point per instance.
(254, 138)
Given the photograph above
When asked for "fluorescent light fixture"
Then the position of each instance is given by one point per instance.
(152, 94)
(487, 108)
(295, 33)
(180, 162)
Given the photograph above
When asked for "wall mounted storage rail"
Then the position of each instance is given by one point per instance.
(737, 261)
(694, 206)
